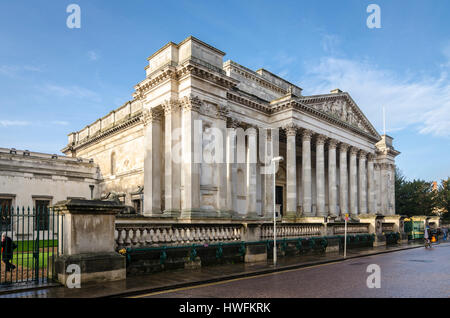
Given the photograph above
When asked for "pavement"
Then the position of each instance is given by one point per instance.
(175, 279)
(412, 273)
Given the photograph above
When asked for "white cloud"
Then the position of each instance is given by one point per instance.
(12, 123)
(70, 91)
(14, 70)
(415, 100)
(93, 56)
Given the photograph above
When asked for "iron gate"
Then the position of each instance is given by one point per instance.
(29, 244)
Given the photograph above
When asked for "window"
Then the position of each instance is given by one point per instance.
(5, 214)
(42, 215)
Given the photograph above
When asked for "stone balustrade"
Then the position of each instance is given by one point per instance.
(291, 230)
(351, 229)
(131, 235)
(387, 227)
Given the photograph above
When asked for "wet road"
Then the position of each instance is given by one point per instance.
(411, 273)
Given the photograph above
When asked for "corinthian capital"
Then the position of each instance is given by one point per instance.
(151, 115)
(291, 129)
(191, 103)
(354, 151)
(320, 139)
(332, 143)
(171, 106)
(306, 134)
(362, 154)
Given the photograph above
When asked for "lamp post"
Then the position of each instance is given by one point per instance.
(274, 161)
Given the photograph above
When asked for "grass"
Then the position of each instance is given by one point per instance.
(27, 246)
(26, 260)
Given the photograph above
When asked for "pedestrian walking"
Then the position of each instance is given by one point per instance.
(8, 247)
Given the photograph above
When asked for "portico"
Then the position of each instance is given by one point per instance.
(200, 133)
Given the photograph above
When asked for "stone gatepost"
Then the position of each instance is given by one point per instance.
(86, 239)
(399, 225)
(254, 252)
(375, 227)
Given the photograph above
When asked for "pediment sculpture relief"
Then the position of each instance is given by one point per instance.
(342, 110)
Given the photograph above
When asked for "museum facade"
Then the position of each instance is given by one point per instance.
(155, 151)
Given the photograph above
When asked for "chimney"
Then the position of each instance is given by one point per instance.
(335, 91)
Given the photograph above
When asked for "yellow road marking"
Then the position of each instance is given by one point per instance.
(233, 280)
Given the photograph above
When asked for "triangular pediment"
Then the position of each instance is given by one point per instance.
(342, 107)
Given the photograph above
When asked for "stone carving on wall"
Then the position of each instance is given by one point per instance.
(342, 110)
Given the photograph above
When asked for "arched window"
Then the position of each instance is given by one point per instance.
(113, 163)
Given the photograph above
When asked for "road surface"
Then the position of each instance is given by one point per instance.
(416, 272)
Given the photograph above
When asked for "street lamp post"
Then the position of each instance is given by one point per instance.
(274, 160)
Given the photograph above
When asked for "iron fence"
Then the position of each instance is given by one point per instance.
(30, 244)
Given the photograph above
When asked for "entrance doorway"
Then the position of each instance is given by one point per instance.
(279, 198)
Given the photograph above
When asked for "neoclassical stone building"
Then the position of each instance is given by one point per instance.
(335, 162)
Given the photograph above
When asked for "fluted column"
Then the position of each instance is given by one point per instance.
(172, 160)
(291, 169)
(343, 179)
(306, 172)
(320, 175)
(353, 184)
(384, 188)
(268, 177)
(191, 152)
(371, 209)
(152, 162)
(362, 183)
(332, 188)
(251, 172)
(231, 169)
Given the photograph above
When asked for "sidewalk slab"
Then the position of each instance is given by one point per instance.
(189, 277)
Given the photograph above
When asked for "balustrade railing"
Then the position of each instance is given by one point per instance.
(351, 229)
(387, 227)
(130, 235)
(291, 230)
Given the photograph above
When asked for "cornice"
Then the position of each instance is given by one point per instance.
(132, 121)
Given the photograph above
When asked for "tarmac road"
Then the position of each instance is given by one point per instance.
(416, 272)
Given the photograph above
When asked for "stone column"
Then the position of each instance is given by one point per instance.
(392, 190)
(172, 158)
(353, 184)
(220, 165)
(271, 152)
(332, 188)
(306, 172)
(231, 169)
(291, 172)
(152, 162)
(320, 175)
(362, 183)
(192, 157)
(251, 172)
(343, 177)
(384, 188)
(371, 209)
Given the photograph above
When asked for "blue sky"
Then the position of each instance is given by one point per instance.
(55, 80)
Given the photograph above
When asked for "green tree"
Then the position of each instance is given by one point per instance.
(443, 198)
(414, 197)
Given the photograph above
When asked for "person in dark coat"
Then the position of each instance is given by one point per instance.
(8, 247)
